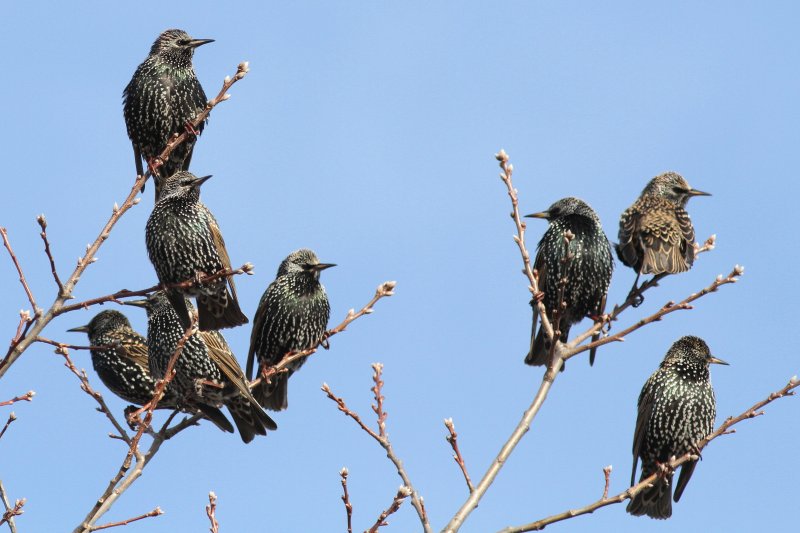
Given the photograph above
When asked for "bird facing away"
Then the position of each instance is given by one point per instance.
(183, 240)
(162, 98)
(206, 373)
(655, 233)
(292, 316)
(123, 363)
(587, 271)
(677, 408)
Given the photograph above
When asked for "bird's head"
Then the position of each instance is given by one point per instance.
(673, 187)
(176, 47)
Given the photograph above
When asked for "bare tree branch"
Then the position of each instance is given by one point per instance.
(452, 438)
(36, 310)
(348, 507)
(382, 438)
(402, 494)
(27, 397)
(155, 512)
(724, 429)
(43, 224)
(9, 511)
(211, 510)
(12, 417)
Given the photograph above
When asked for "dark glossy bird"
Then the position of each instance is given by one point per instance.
(292, 316)
(206, 372)
(677, 408)
(163, 98)
(184, 240)
(587, 271)
(123, 363)
(655, 233)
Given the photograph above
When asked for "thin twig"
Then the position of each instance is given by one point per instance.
(43, 224)
(384, 290)
(37, 312)
(27, 397)
(11, 418)
(607, 477)
(386, 444)
(4, 497)
(211, 509)
(42, 320)
(348, 507)
(402, 493)
(155, 512)
(452, 438)
(723, 429)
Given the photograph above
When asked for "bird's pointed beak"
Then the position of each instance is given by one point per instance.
(543, 214)
(199, 181)
(715, 360)
(194, 43)
(137, 303)
(322, 266)
(695, 192)
(80, 329)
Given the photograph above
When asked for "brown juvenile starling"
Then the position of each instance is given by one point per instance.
(163, 98)
(292, 316)
(655, 233)
(677, 408)
(206, 372)
(184, 240)
(587, 271)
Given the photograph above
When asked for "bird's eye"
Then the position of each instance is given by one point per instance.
(183, 42)
(678, 190)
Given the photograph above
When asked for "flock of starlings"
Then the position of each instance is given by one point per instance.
(676, 406)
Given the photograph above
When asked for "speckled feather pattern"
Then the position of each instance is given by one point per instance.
(161, 98)
(292, 315)
(677, 408)
(588, 273)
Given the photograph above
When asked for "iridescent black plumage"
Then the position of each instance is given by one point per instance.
(164, 96)
(677, 408)
(588, 272)
(292, 316)
(184, 239)
(655, 233)
(206, 373)
(123, 364)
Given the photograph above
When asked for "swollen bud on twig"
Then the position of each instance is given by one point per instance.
(738, 270)
(344, 472)
(501, 155)
(42, 221)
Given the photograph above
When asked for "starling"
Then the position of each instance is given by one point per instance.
(123, 363)
(183, 240)
(206, 373)
(162, 99)
(292, 316)
(655, 233)
(587, 271)
(676, 409)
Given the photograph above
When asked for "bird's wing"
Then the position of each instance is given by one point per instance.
(135, 350)
(257, 333)
(221, 354)
(626, 247)
(219, 245)
(662, 241)
(642, 421)
(687, 231)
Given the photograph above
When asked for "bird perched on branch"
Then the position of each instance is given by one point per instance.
(163, 98)
(579, 270)
(292, 316)
(206, 372)
(184, 240)
(122, 362)
(677, 408)
(655, 233)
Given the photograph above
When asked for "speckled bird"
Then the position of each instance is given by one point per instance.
(677, 408)
(656, 235)
(206, 373)
(163, 98)
(123, 363)
(184, 239)
(587, 273)
(292, 316)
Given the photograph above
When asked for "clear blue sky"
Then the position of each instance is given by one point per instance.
(366, 131)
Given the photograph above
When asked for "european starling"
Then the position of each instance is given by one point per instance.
(162, 98)
(292, 316)
(676, 409)
(206, 372)
(587, 271)
(123, 364)
(655, 233)
(183, 240)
